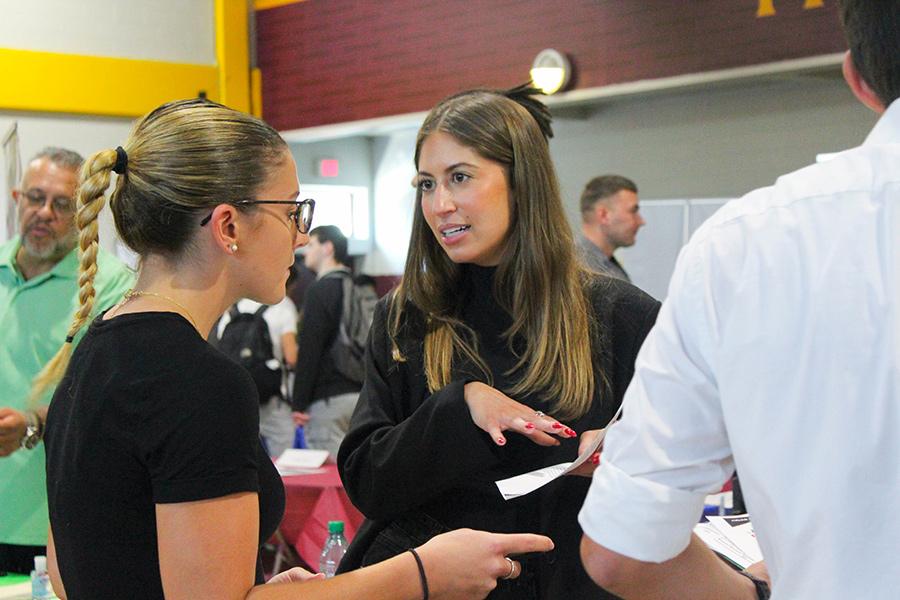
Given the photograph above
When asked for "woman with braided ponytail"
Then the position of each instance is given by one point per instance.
(494, 327)
(158, 485)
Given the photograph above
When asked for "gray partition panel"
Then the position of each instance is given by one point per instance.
(670, 223)
(650, 261)
(701, 210)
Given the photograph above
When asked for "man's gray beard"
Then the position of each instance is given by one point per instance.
(57, 248)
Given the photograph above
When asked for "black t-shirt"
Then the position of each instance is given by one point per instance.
(148, 413)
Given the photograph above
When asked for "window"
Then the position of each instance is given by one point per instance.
(345, 206)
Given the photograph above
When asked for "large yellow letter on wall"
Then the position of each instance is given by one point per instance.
(766, 8)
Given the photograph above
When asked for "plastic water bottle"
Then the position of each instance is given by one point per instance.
(334, 549)
(299, 437)
(40, 580)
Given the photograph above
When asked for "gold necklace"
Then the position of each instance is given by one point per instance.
(132, 294)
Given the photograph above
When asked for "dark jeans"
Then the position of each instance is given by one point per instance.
(19, 559)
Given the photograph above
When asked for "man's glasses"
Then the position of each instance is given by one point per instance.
(62, 206)
(302, 216)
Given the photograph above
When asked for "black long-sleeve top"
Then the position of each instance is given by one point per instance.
(411, 451)
(315, 376)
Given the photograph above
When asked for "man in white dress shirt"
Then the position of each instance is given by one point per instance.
(776, 352)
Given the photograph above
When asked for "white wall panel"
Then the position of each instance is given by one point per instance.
(166, 30)
(393, 203)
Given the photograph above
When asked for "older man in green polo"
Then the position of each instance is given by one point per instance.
(38, 284)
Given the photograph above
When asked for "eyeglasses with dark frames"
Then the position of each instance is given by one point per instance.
(302, 216)
(62, 205)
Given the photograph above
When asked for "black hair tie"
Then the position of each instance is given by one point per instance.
(121, 161)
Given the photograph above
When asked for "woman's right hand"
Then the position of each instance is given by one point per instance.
(495, 412)
(467, 564)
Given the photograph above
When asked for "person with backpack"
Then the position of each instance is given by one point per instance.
(337, 314)
(263, 339)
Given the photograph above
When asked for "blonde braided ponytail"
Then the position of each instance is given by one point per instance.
(94, 180)
(182, 157)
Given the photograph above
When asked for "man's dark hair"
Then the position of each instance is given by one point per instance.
(333, 234)
(872, 28)
(602, 187)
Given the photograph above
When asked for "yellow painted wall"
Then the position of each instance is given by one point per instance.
(107, 86)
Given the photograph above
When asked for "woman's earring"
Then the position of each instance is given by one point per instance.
(233, 247)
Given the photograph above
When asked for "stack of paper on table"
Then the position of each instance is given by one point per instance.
(731, 536)
(294, 461)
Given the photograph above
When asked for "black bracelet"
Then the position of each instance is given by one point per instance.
(421, 573)
(762, 588)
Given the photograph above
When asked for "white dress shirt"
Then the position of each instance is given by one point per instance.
(776, 352)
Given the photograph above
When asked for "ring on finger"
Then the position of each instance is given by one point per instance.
(512, 568)
(538, 414)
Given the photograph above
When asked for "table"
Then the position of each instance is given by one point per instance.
(310, 502)
(15, 587)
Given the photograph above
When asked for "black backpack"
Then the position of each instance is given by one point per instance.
(357, 311)
(246, 341)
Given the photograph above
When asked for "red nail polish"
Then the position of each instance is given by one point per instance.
(529, 425)
(570, 432)
(557, 426)
(501, 441)
(595, 459)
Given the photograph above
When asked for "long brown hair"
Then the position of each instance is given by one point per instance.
(182, 158)
(539, 280)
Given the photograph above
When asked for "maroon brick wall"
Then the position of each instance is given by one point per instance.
(332, 61)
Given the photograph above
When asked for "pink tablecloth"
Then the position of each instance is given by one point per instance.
(312, 501)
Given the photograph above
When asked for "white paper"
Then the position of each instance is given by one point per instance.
(718, 542)
(289, 471)
(513, 487)
(733, 537)
(297, 461)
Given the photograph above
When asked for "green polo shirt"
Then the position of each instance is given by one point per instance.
(34, 318)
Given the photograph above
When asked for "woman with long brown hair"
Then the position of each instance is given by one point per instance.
(495, 326)
(158, 485)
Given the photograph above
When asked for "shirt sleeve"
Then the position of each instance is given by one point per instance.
(671, 448)
(200, 439)
(401, 452)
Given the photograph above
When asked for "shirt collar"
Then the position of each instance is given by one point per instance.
(8, 253)
(68, 266)
(887, 130)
